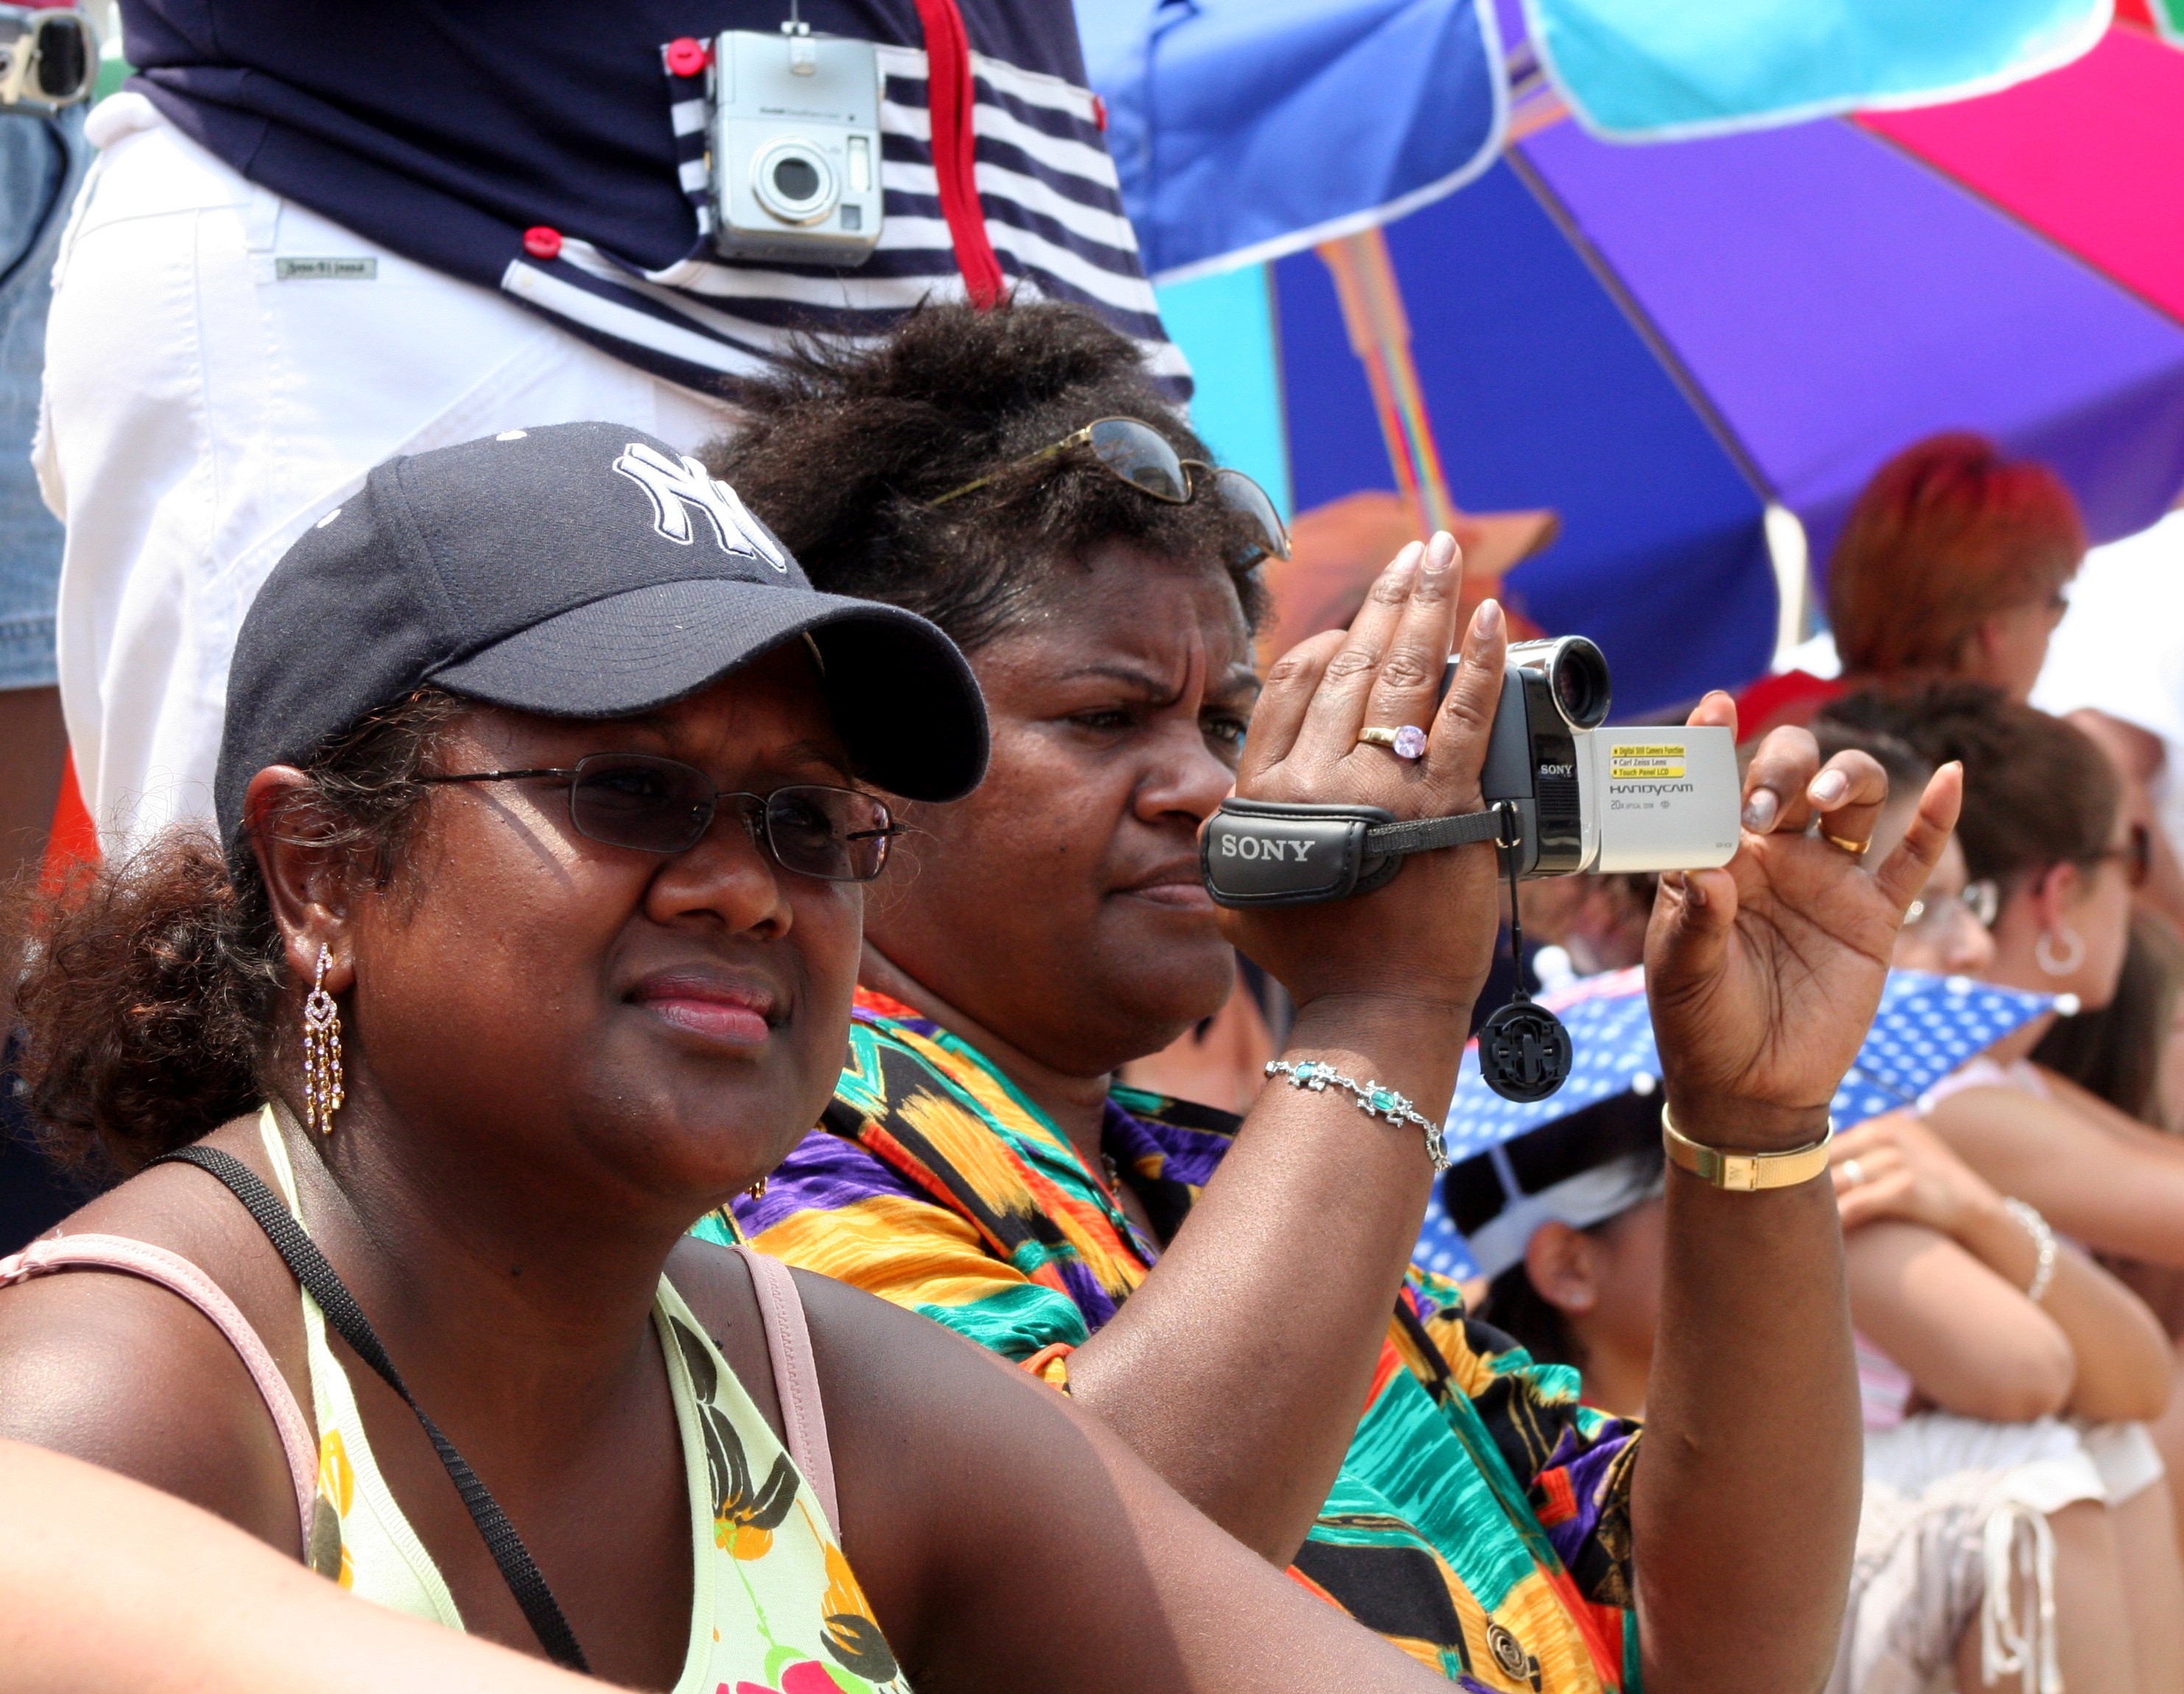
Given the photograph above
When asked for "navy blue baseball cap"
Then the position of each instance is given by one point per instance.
(583, 570)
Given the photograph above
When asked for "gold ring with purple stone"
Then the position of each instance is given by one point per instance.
(1407, 742)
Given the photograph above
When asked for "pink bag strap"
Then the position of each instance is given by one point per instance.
(176, 1273)
(795, 1376)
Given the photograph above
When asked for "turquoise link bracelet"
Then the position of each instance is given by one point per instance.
(1372, 1099)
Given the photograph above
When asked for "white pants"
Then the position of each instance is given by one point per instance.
(201, 408)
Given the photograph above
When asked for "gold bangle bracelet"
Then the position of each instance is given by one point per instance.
(1744, 1172)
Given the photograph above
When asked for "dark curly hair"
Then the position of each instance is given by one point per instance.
(155, 1001)
(2037, 791)
(843, 451)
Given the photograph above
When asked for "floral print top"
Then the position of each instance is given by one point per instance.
(774, 1607)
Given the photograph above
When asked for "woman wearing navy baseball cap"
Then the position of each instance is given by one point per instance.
(476, 1005)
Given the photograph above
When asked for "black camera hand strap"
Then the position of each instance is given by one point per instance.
(1290, 852)
(310, 1268)
(1426, 835)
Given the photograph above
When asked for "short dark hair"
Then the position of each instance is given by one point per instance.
(843, 450)
(2037, 791)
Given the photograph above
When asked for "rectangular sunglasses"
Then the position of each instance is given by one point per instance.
(663, 805)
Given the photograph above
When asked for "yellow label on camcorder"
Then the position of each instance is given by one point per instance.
(1638, 762)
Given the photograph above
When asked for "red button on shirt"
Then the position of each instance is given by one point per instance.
(542, 241)
(687, 56)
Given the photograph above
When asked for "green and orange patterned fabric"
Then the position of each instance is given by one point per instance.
(1481, 1520)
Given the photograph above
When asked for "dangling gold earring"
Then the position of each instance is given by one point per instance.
(322, 1058)
(757, 1190)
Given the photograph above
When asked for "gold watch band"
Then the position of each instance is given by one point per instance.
(1745, 1172)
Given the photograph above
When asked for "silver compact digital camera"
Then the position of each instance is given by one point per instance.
(48, 58)
(795, 135)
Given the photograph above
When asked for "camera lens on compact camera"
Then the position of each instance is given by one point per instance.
(795, 182)
(63, 59)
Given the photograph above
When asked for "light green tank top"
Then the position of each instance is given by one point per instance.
(774, 1605)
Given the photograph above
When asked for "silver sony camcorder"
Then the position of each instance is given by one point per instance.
(796, 147)
(1561, 793)
(1650, 798)
(48, 58)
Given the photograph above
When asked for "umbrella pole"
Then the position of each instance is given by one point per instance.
(1379, 331)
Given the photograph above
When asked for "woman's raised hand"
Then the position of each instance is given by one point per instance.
(1429, 934)
(1765, 975)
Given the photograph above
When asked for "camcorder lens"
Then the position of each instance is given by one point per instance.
(795, 179)
(1579, 674)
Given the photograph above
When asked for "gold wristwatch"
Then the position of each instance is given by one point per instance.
(1745, 1172)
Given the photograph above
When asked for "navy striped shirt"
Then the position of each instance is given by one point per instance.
(442, 130)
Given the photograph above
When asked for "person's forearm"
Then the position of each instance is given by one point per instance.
(2122, 1354)
(1239, 1370)
(185, 1602)
(2115, 1193)
(1747, 1485)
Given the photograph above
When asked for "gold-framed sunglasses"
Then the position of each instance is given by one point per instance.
(1132, 451)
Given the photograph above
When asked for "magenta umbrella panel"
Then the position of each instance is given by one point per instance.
(1657, 342)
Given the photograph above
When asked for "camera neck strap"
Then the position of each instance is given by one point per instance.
(309, 1266)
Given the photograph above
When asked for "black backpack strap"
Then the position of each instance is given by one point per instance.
(310, 1268)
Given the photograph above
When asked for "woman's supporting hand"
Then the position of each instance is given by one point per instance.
(1765, 975)
(1428, 935)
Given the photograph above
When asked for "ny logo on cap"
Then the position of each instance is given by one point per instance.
(678, 487)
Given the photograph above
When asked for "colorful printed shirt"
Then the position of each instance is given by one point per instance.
(1481, 1520)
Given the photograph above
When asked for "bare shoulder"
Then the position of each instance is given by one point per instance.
(122, 1372)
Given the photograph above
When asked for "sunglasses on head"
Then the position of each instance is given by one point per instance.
(663, 805)
(1132, 451)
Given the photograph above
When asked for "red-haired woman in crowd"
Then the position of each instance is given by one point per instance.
(1954, 564)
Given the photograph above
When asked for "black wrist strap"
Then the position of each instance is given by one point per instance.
(310, 1268)
(1425, 834)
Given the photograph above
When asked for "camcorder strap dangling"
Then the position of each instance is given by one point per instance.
(1523, 1049)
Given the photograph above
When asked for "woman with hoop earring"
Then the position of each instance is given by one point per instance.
(2054, 866)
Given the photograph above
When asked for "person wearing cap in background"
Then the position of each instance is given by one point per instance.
(315, 236)
(529, 937)
(1987, 1545)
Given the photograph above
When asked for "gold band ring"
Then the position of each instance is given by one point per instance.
(1857, 850)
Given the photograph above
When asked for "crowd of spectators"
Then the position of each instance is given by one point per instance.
(432, 543)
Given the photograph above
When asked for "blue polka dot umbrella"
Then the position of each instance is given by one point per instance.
(1926, 1026)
